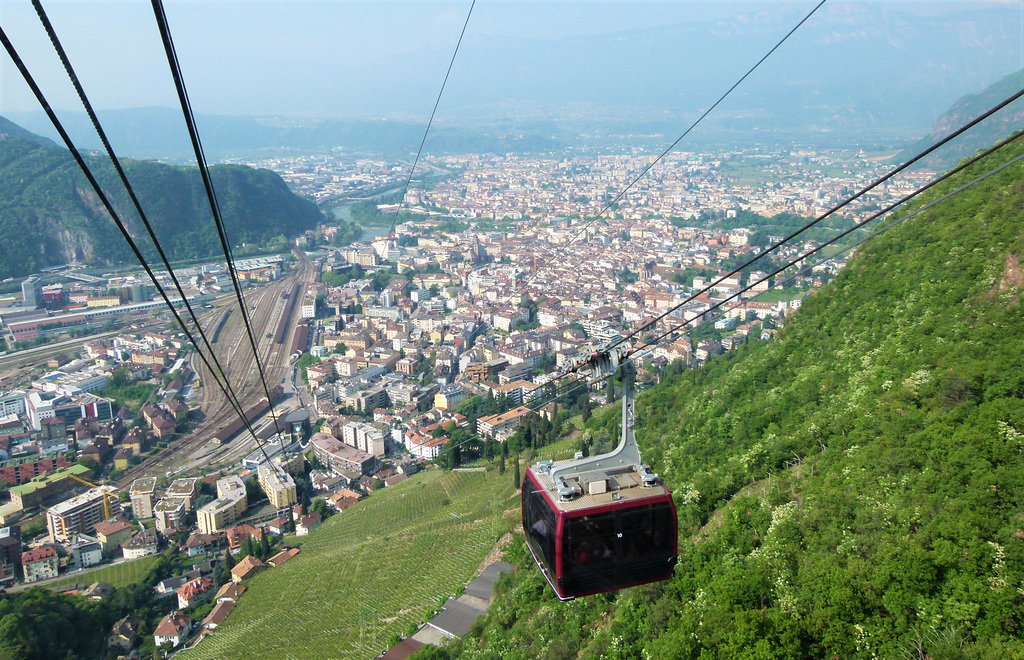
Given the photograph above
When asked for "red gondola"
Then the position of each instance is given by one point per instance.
(602, 523)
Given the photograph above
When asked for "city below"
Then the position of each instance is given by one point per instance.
(387, 351)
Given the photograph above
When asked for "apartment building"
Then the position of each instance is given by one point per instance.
(82, 512)
(143, 494)
(278, 485)
(230, 504)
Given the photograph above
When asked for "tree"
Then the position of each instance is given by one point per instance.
(265, 546)
(305, 360)
(584, 405)
(171, 376)
(444, 459)
(222, 576)
(119, 378)
(91, 463)
(517, 479)
(501, 465)
(229, 560)
(320, 506)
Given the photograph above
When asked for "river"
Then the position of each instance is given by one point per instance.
(343, 211)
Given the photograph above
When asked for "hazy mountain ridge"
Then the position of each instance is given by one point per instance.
(891, 68)
(852, 73)
(50, 215)
(851, 489)
(8, 129)
(157, 132)
(967, 108)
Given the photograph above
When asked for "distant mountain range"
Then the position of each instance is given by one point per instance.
(855, 73)
(159, 133)
(8, 129)
(50, 215)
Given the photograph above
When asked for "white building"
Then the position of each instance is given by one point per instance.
(309, 308)
(39, 563)
(82, 512)
(85, 551)
(173, 629)
(12, 403)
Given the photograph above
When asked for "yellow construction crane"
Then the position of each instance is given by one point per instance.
(106, 504)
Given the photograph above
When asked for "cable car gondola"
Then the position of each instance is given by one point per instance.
(601, 523)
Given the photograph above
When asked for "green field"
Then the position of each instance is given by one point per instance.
(118, 575)
(775, 295)
(368, 573)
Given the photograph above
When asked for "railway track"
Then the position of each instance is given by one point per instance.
(268, 311)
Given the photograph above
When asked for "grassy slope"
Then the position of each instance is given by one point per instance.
(369, 572)
(898, 392)
(119, 575)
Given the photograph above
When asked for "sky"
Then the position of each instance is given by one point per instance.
(519, 59)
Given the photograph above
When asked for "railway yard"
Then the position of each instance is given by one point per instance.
(209, 445)
(273, 318)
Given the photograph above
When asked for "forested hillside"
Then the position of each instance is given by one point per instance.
(853, 489)
(50, 215)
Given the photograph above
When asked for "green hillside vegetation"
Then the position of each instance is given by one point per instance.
(370, 573)
(853, 489)
(50, 215)
(39, 624)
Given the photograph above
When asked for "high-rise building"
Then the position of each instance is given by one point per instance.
(230, 504)
(169, 513)
(143, 494)
(140, 293)
(82, 512)
(278, 485)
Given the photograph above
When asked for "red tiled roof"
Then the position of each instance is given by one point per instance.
(110, 528)
(172, 624)
(312, 520)
(247, 567)
(219, 612)
(230, 590)
(38, 554)
(201, 540)
(237, 534)
(194, 588)
(282, 556)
